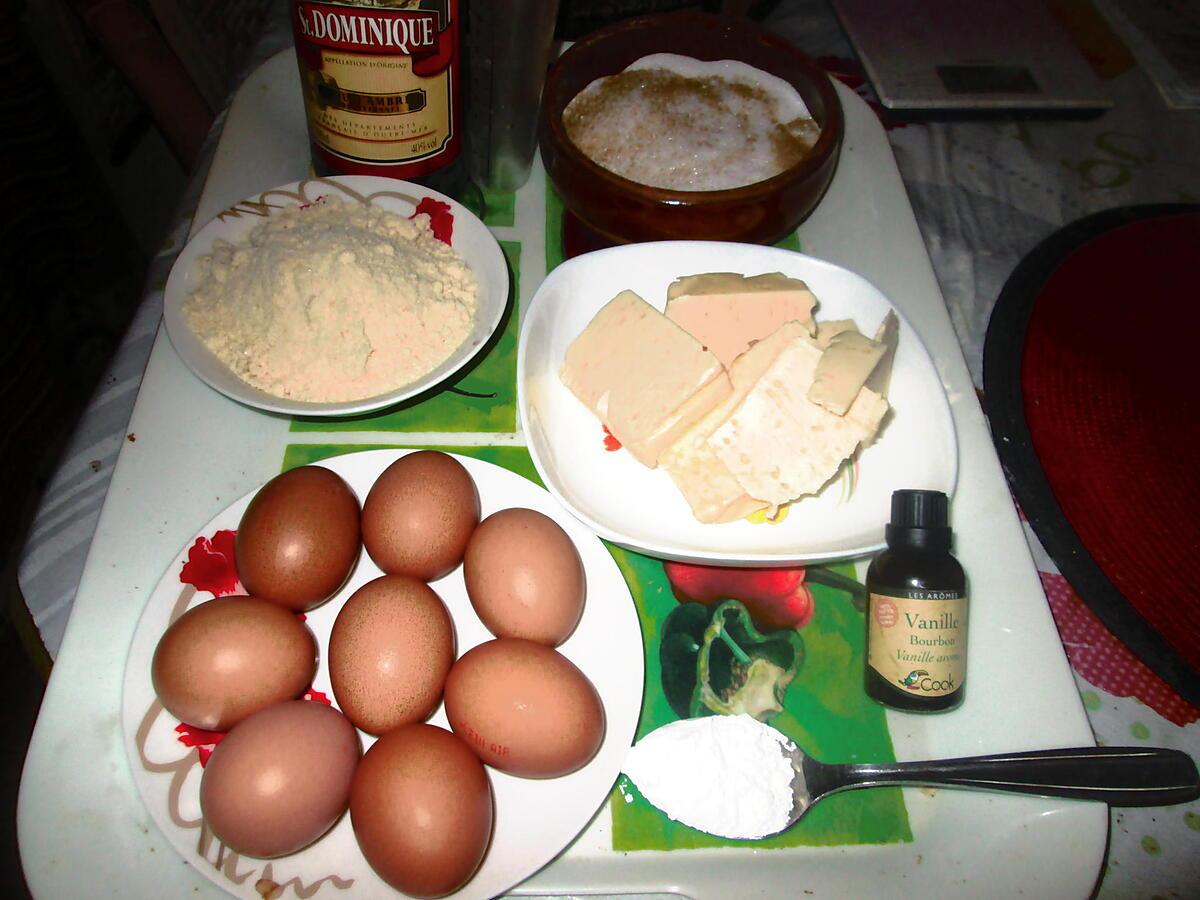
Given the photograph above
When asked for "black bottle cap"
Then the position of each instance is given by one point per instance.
(920, 519)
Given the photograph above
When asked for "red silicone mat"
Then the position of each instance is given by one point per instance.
(1090, 376)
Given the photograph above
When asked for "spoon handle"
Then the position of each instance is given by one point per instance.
(1119, 776)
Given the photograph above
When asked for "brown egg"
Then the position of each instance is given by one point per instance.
(280, 779)
(524, 577)
(389, 651)
(421, 806)
(299, 538)
(230, 657)
(524, 708)
(419, 515)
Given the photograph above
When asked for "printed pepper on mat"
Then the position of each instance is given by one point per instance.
(715, 661)
(776, 598)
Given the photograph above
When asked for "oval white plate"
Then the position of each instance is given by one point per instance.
(471, 238)
(535, 818)
(640, 508)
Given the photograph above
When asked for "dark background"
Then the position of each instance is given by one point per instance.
(104, 107)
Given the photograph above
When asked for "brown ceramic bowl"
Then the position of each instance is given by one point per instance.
(624, 211)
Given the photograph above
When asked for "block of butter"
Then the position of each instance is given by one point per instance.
(843, 369)
(827, 331)
(704, 480)
(728, 312)
(778, 444)
(887, 334)
(643, 376)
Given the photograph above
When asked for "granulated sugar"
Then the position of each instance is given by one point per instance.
(674, 122)
(337, 301)
(726, 775)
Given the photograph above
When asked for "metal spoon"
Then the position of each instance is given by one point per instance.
(1119, 776)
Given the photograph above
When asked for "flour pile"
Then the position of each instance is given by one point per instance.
(336, 301)
(726, 775)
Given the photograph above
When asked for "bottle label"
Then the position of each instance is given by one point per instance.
(380, 84)
(917, 640)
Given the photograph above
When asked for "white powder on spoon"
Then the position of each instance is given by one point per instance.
(726, 775)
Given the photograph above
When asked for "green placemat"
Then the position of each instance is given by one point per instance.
(825, 711)
(515, 459)
(499, 208)
(823, 707)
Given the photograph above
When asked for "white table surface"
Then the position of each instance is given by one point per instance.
(84, 831)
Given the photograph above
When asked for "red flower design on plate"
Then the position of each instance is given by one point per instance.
(212, 564)
(1102, 660)
(441, 219)
(610, 441)
(206, 741)
(203, 741)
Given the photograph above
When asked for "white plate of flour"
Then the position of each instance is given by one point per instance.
(319, 351)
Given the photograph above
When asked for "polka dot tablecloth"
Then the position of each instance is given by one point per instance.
(1101, 660)
(1153, 852)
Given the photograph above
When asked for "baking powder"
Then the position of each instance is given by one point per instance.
(726, 775)
(336, 301)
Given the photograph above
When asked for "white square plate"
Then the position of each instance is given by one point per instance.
(640, 508)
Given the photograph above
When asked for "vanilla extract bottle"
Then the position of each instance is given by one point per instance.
(916, 654)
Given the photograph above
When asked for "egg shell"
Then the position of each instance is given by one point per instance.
(419, 515)
(299, 538)
(524, 577)
(421, 806)
(229, 657)
(390, 649)
(280, 779)
(524, 708)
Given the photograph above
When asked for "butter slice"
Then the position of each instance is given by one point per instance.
(827, 331)
(778, 444)
(706, 483)
(710, 489)
(843, 369)
(642, 375)
(728, 312)
(887, 334)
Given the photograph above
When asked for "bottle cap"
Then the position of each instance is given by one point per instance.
(920, 519)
